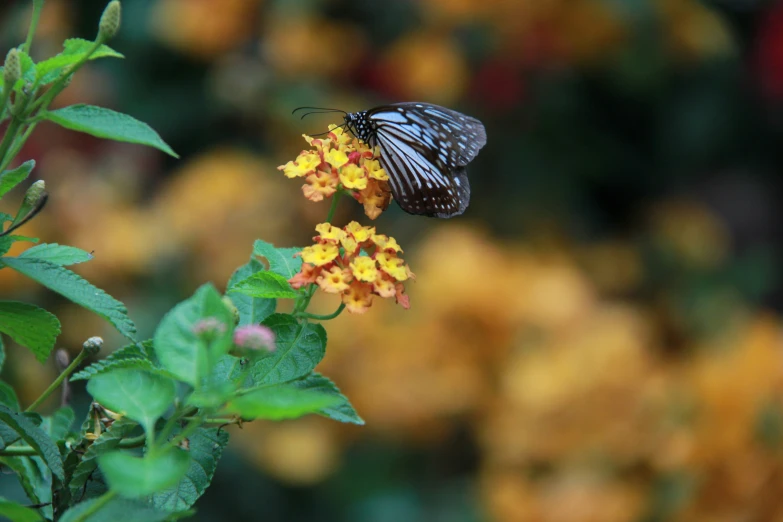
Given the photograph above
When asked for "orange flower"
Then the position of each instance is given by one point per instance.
(335, 280)
(341, 162)
(357, 298)
(368, 265)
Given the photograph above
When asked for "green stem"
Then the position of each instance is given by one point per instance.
(18, 144)
(29, 451)
(8, 139)
(337, 312)
(58, 381)
(333, 208)
(95, 507)
(37, 7)
(192, 426)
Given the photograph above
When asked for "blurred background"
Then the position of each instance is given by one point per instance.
(598, 338)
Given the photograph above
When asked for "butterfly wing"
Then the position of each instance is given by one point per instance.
(424, 149)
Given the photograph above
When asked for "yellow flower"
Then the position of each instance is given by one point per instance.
(375, 171)
(336, 158)
(386, 243)
(360, 233)
(320, 254)
(305, 163)
(335, 280)
(320, 185)
(342, 159)
(328, 232)
(393, 266)
(351, 273)
(353, 177)
(349, 244)
(363, 269)
(357, 298)
(384, 285)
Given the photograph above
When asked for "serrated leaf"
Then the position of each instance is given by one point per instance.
(9, 435)
(135, 477)
(116, 510)
(265, 285)
(342, 411)
(281, 260)
(14, 512)
(179, 347)
(252, 310)
(73, 287)
(74, 50)
(106, 123)
(30, 326)
(11, 178)
(8, 396)
(128, 357)
(58, 425)
(107, 441)
(299, 349)
(206, 448)
(61, 255)
(283, 401)
(35, 437)
(139, 395)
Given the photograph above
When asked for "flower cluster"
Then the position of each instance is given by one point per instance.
(355, 262)
(340, 161)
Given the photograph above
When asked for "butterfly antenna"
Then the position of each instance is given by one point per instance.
(316, 110)
(326, 132)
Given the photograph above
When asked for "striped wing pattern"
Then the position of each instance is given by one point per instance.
(425, 149)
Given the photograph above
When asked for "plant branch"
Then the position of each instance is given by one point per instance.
(58, 381)
(37, 7)
(334, 314)
(333, 207)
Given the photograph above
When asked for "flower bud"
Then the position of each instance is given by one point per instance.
(92, 345)
(34, 194)
(110, 21)
(234, 310)
(12, 70)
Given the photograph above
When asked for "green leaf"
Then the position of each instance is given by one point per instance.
(30, 326)
(106, 123)
(6, 242)
(75, 48)
(299, 349)
(73, 287)
(34, 477)
(264, 285)
(8, 396)
(131, 356)
(281, 260)
(135, 477)
(35, 437)
(2, 353)
(14, 512)
(139, 395)
(115, 510)
(342, 411)
(181, 349)
(283, 401)
(58, 425)
(252, 310)
(107, 441)
(11, 178)
(61, 255)
(206, 447)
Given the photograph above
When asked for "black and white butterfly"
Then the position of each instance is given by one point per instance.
(424, 149)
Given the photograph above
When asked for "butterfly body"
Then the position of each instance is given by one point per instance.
(424, 149)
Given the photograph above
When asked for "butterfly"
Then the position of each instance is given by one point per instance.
(425, 150)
